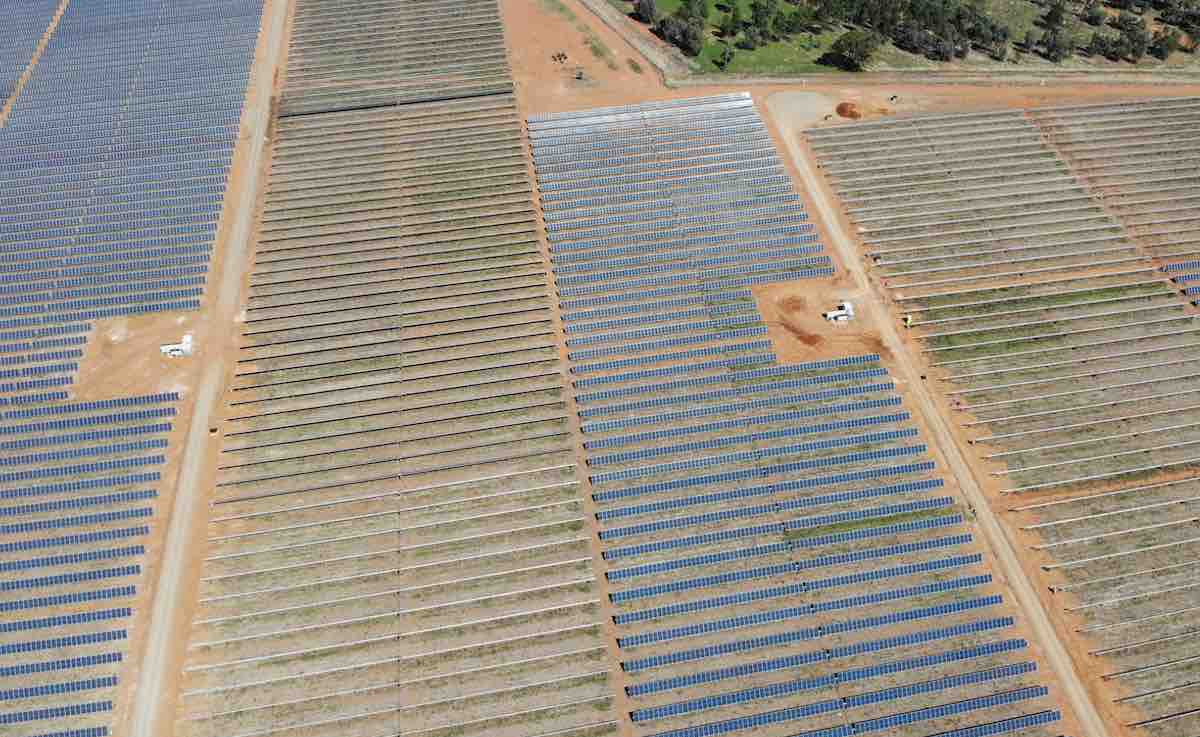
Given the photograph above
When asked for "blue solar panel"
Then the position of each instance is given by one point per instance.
(730, 378)
(65, 619)
(934, 712)
(75, 597)
(104, 404)
(765, 470)
(1005, 726)
(840, 704)
(88, 421)
(78, 521)
(54, 712)
(803, 587)
(793, 636)
(66, 487)
(102, 574)
(750, 456)
(61, 642)
(787, 432)
(736, 513)
(84, 732)
(785, 688)
(751, 492)
(798, 612)
(78, 502)
(743, 409)
(750, 574)
(71, 558)
(55, 689)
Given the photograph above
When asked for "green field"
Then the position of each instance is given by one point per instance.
(799, 53)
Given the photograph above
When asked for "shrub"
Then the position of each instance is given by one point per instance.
(646, 11)
(688, 35)
(854, 49)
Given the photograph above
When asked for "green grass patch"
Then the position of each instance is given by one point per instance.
(556, 6)
(598, 49)
(796, 54)
(1019, 15)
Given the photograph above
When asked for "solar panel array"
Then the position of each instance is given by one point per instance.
(347, 55)
(1122, 565)
(397, 536)
(1123, 558)
(115, 159)
(70, 579)
(1139, 157)
(741, 538)
(1016, 243)
(1033, 250)
(26, 22)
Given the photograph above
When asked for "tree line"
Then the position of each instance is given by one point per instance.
(941, 30)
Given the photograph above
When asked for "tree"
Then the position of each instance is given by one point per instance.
(1100, 45)
(1094, 15)
(853, 49)
(1119, 48)
(1165, 43)
(693, 9)
(762, 16)
(730, 24)
(752, 38)
(1032, 39)
(835, 10)
(1056, 16)
(726, 57)
(646, 11)
(799, 19)
(687, 34)
(1059, 45)
(1134, 35)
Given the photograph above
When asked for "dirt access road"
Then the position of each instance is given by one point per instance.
(156, 692)
(1090, 719)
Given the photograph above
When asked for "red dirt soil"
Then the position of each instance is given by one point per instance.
(849, 110)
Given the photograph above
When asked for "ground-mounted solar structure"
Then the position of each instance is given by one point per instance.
(116, 156)
(358, 55)
(398, 535)
(1030, 298)
(361, 377)
(780, 553)
(1042, 260)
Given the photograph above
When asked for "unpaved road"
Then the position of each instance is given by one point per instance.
(154, 698)
(1089, 717)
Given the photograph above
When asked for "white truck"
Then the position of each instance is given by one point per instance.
(178, 350)
(843, 313)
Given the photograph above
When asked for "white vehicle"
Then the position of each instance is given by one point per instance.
(177, 350)
(843, 313)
